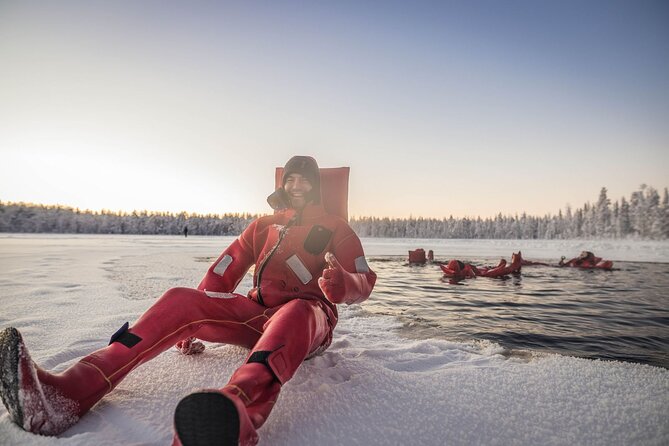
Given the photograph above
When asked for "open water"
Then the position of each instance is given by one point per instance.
(611, 315)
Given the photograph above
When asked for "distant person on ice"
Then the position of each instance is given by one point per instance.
(185, 231)
(306, 261)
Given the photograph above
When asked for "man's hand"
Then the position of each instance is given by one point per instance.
(332, 281)
(341, 286)
(190, 346)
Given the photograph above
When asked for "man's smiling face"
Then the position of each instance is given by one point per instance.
(298, 187)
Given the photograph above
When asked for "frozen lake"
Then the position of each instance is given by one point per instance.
(375, 385)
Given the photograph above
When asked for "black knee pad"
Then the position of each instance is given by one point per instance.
(126, 338)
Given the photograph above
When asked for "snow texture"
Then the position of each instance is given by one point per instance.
(67, 294)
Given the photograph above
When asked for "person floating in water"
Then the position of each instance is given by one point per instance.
(307, 261)
(459, 270)
(586, 260)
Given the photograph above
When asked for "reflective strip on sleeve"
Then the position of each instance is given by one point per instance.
(361, 265)
(218, 295)
(223, 265)
(299, 269)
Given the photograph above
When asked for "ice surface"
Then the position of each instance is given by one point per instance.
(68, 294)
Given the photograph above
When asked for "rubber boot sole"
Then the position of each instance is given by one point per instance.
(207, 418)
(10, 342)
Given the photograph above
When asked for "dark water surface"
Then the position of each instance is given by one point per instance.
(613, 315)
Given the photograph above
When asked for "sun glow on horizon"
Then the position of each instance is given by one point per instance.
(525, 109)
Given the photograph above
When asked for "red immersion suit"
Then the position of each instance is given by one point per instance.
(503, 269)
(458, 270)
(587, 260)
(284, 319)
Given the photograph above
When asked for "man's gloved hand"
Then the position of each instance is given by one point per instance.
(332, 281)
(190, 346)
(340, 286)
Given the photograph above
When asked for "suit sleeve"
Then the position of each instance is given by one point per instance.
(228, 270)
(358, 277)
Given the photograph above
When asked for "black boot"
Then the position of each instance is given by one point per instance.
(206, 418)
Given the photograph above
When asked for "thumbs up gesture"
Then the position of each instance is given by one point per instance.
(332, 282)
(341, 286)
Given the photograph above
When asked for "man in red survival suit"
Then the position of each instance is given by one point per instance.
(306, 261)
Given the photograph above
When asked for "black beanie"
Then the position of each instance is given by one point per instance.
(308, 168)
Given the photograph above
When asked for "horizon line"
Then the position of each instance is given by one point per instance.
(352, 216)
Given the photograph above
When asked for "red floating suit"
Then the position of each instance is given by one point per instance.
(287, 316)
(587, 260)
(417, 256)
(456, 269)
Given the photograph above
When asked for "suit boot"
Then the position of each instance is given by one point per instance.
(49, 403)
(229, 416)
(42, 402)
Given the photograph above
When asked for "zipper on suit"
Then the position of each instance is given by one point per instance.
(282, 234)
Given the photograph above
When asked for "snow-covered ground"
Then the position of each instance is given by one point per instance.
(68, 294)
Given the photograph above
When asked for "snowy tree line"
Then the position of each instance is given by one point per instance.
(644, 215)
(25, 217)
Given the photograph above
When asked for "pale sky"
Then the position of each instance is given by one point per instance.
(460, 108)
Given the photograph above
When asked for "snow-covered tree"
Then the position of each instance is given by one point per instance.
(603, 215)
(645, 215)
